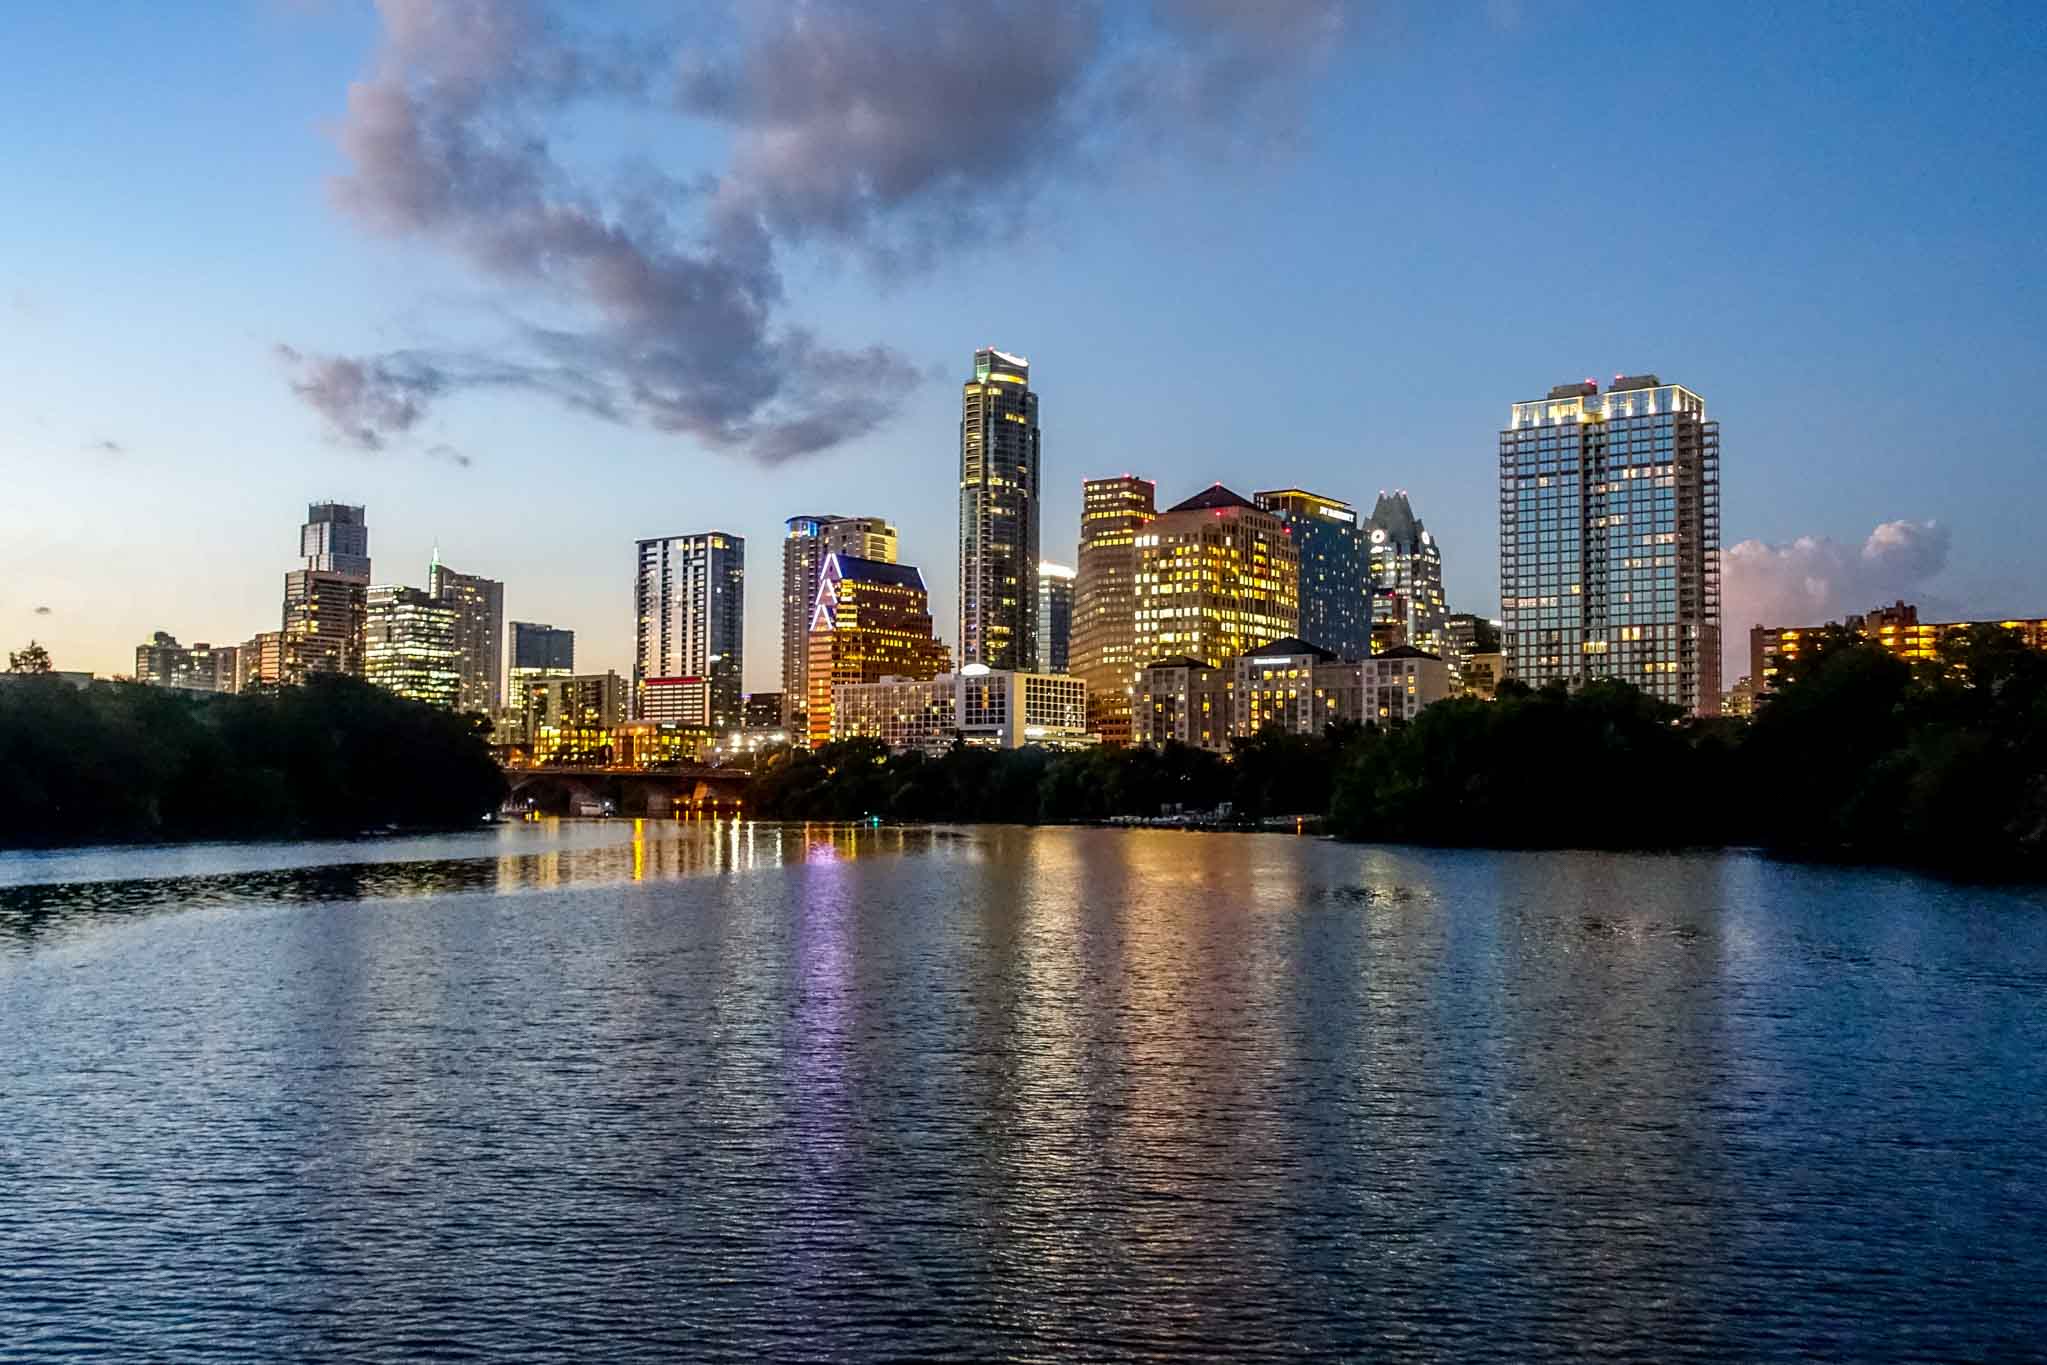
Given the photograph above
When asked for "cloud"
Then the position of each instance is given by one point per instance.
(1815, 578)
(895, 130)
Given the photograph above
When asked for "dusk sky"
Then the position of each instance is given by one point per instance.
(534, 283)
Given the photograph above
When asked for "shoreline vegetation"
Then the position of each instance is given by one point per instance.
(1856, 757)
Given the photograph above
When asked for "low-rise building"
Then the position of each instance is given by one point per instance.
(996, 708)
(1482, 674)
(163, 662)
(1180, 700)
(1897, 628)
(1288, 683)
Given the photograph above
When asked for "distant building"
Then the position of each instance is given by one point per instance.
(999, 513)
(690, 599)
(761, 711)
(570, 720)
(1407, 578)
(1469, 634)
(1740, 699)
(1897, 628)
(655, 744)
(479, 605)
(1104, 645)
(979, 706)
(1289, 683)
(539, 652)
(411, 647)
(1055, 617)
(1335, 588)
(1216, 576)
(807, 543)
(259, 661)
(872, 620)
(326, 601)
(1482, 674)
(1610, 540)
(163, 662)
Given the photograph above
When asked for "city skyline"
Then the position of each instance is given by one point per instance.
(1393, 362)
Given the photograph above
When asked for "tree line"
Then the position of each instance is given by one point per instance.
(1856, 755)
(116, 762)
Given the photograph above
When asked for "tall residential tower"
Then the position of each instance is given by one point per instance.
(689, 598)
(479, 605)
(1610, 540)
(998, 599)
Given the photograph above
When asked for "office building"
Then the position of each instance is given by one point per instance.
(690, 605)
(163, 662)
(1334, 587)
(990, 708)
(872, 620)
(326, 600)
(259, 661)
(806, 544)
(1610, 540)
(479, 605)
(539, 652)
(570, 720)
(1216, 577)
(411, 646)
(1292, 685)
(1055, 617)
(1406, 569)
(999, 513)
(1104, 648)
(1896, 628)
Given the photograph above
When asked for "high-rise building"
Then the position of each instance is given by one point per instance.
(326, 600)
(872, 620)
(1407, 577)
(336, 539)
(479, 605)
(1610, 540)
(1055, 617)
(805, 546)
(1216, 577)
(1104, 651)
(1335, 587)
(539, 652)
(999, 513)
(690, 601)
(411, 646)
(163, 662)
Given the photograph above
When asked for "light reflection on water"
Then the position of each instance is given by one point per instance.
(646, 1091)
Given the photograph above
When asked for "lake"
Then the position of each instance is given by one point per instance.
(622, 1091)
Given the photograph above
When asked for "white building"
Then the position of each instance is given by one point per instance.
(995, 708)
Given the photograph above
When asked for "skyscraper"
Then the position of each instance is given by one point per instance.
(689, 599)
(412, 645)
(1335, 589)
(538, 652)
(479, 605)
(1104, 650)
(325, 601)
(872, 621)
(1610, 540)
(1216, 577)
(1407, 578)
(998, 599)
(1055, 617)
(805, 546)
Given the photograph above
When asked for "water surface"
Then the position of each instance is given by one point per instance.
(617, 1091)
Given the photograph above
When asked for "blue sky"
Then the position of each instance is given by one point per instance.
(1825, 218)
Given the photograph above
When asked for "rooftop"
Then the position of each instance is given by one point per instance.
(1292, 645)
(852, 568)
(1215, 497)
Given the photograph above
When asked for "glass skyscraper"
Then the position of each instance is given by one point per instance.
(690, 607)
(1407, 578)
(1610, 540)
(412, 646)
(1055, 617)
(325, 602)
(1335, 593)
(998, 600)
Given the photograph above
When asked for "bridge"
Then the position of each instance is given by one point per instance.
(626, 791)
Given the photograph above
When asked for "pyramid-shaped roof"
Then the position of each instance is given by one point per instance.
(1214, 496)
(1294, 644)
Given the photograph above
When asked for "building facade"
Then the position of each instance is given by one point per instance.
(1104, 649)
(479, 605)
(999, 513)
(872, 620)
(806, 543)
(1610, 540)
(259, 661)
(1896, 628)
(992, 708)
(1334, 586)
(163, 662)
(1216, 577)
(411, 646)
(1055, 617)
(689, 600)
(1407, 577)
(1289, 684)
(326, 600)
(1181, 701)
(570, 720)
(537, 652)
